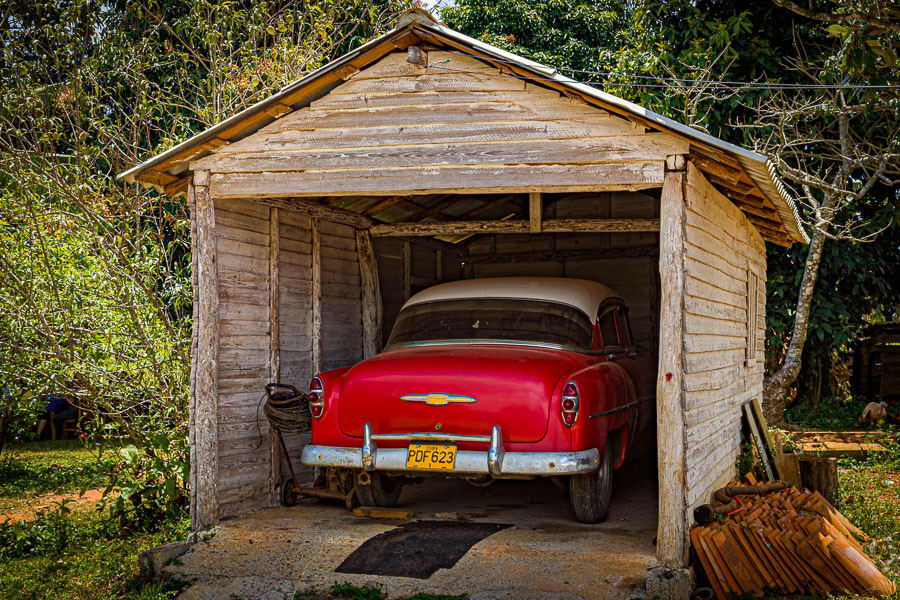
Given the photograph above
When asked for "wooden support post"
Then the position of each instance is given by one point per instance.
(438, 265)
(407, 271)
(204, 421)
(535, 208)
(671, 548)
(371, 294)
(820, 474)
(274, 344)
(316, 297)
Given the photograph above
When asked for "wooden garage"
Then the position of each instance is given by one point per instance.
(425, 156)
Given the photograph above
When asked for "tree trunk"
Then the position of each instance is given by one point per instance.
(820, 474)
(777, 385)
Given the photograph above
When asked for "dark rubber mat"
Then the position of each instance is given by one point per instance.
(417, 549)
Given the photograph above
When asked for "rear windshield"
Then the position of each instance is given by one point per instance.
(498, 319)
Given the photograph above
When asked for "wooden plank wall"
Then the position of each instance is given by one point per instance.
(428, 266)
(252, 251)
(721, 247)
(244, 461)
(469, 129)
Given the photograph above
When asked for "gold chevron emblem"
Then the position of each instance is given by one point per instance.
(438, 399)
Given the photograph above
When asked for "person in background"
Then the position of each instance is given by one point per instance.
(61, 409)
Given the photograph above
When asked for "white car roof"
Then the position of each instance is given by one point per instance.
(583, 294)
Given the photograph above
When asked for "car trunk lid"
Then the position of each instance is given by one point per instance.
(455, 389)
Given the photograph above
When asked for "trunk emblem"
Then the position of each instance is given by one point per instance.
(438, 399)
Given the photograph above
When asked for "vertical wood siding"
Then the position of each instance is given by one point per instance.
(721, 247)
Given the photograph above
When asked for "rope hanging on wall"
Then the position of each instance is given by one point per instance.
(287, 409)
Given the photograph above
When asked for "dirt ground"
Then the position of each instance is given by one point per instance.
(545, 554)
(86, 501)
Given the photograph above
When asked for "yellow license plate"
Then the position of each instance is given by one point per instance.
(431, 456)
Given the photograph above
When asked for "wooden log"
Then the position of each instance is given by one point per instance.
(514, 226)
(204, 463)
(671, 548)
(372, 311)
(820, 474)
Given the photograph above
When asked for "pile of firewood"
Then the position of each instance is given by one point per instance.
(786, 540)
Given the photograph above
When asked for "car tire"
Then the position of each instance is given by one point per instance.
(591, 494)
(377, 489)
(288, 493)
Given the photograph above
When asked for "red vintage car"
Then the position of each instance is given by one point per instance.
(489, 379)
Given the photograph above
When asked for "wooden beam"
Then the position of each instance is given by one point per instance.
(372, 312)
(671, 547)
(557, 255)
(316, 292)
(383, 205)
(407, 271)
(318, 211)
(517, 226)
(204, 404)
(535, 208)
(441, 179)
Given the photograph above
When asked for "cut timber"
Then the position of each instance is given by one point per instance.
(382, 513)
(371, 294)
(490, 179)
(316, 294)
(535, 208)
(820, 474)
(204, 404)
(582, 150)
(671, 547)
(548, 226)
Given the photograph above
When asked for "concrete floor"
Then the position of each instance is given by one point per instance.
(271, 553)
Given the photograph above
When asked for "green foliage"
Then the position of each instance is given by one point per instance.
(869, 495)
(748, 461)
(348, 591)
(95, 289)
(79, 556)
(829, 414)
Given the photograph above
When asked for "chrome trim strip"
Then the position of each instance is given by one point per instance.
(428, 436)
(468, 462)
(485, 342)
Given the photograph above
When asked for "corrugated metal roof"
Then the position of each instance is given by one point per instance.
(756, 165)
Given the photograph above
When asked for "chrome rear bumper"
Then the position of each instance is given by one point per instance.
(496, 461)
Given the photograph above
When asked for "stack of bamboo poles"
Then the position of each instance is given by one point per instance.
(786, 540)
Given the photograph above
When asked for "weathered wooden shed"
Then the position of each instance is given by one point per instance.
(427, 156)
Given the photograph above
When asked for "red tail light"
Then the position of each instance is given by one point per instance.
(570, 404)
(316, 397)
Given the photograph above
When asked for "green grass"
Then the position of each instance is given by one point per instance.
(44, 468)
(79, 556)
(869, 495)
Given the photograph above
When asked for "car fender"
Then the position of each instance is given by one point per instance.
(601, 387)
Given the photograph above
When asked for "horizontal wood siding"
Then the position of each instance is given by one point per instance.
(397, 127)
(244, 459)
(720, 247)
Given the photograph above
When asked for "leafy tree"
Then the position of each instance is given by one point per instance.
(668, 56)
(95, 296)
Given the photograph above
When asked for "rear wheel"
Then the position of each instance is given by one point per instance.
(590, 494)
(377, 489)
